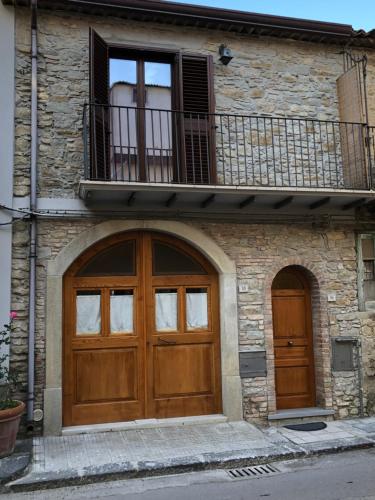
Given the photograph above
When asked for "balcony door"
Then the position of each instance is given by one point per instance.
(141, 335)
(151, 115)
(142, 122)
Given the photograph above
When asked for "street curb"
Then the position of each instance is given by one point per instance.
(128, 470)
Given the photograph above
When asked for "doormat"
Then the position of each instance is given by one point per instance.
(313, 426)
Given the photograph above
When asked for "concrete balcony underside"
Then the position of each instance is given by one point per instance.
(208, 199)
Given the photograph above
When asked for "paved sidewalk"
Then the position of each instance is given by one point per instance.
(75, 459)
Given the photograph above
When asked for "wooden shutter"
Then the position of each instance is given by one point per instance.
(350, 93)
(197, 101)
(99, 108)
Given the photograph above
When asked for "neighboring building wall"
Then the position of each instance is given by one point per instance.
(7, 56)
(371, 88)
(367, 321)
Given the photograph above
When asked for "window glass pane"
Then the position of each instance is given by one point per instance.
(118, 260)
(166, 309)
(168, 260)
(196, 308)
(157, 74)
(121, 304)
(123, 127)
(158, 123)
(88, 312)
(368, 252)
(369, 290)
(122, 70)
(369, 269)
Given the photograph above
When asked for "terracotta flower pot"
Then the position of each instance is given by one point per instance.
(9, 424)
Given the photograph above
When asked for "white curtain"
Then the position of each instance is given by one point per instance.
(196, 310)
(166, 311)
(88, 314)
(121, 313)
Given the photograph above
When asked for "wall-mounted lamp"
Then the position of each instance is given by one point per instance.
(225, 54)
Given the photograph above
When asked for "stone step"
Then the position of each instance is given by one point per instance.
(150, 423)
(300, 415)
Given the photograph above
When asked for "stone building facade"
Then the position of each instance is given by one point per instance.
(268, 76)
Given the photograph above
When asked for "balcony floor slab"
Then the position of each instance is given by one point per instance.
(218, 199)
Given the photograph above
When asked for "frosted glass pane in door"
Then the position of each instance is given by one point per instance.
(121, 304)
(88, 312)
(196, 308)
(166, 310)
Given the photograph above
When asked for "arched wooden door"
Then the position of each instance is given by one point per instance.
(293, 340)
(141, 334)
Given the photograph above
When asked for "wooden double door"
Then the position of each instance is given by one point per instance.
(293, 340)
(141, 333)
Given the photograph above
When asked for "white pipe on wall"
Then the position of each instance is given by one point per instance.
(7, 99)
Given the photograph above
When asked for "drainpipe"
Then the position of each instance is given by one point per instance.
(33, 181)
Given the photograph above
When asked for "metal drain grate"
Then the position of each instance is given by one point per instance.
(249, 472)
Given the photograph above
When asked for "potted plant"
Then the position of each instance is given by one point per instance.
(10, 409)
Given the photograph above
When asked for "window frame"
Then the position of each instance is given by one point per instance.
(182, 69)
(142, 55)
(361, 269)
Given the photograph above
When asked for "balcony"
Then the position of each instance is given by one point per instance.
(160, 159)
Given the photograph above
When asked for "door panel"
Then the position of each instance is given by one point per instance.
(105, 375)
(183, 370)
(292, 381)
(294, 363)
(141, 346)
(290, 316)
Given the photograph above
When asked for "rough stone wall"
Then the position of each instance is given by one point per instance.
(259, 251)
(20, 304)
(282, 78)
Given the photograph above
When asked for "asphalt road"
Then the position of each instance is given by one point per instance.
(334, 477)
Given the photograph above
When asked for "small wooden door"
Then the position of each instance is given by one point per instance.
(141, 332)
(293, 342)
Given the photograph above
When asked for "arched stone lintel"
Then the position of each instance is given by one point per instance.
(231, 382)
(193, 236)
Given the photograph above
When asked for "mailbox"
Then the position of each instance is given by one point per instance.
(253, 364)
(342, 354)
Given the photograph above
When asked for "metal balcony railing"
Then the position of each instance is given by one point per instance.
(130, 144)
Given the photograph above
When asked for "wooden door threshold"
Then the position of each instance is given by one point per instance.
(144, 424)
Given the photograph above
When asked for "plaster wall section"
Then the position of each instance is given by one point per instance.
(7, 56)
(370, 85)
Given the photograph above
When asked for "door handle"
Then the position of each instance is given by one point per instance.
(166, 341)
(290, 343)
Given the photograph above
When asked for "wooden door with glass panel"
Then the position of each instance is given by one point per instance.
(183, 355)
(104, 335)
(141, 332)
